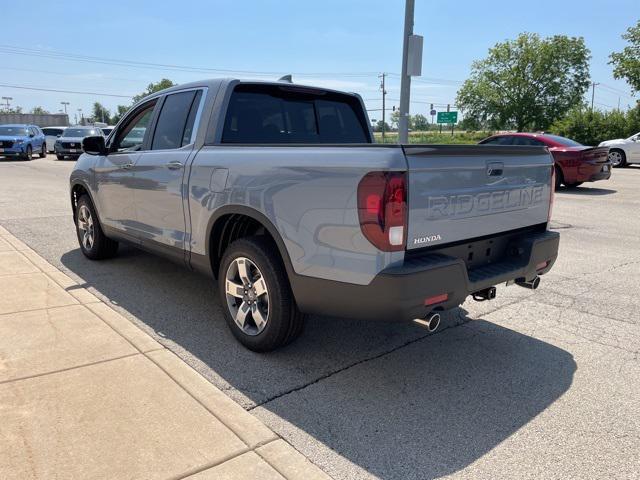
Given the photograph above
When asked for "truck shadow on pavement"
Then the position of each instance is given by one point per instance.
(588, 191)
(387, 398)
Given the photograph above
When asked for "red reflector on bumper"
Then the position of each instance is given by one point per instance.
(540, 266)
(437, 299)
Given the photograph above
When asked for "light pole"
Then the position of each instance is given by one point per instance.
(593, 93)
(384, 94)
(411, 66)
(65, 106)
(7, 100)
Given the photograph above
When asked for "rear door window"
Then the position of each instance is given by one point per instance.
(172, 128)
(268, 114)
(505, 140)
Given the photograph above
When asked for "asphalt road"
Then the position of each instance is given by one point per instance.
(541, 384)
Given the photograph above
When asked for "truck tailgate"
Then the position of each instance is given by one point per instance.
(469, 191)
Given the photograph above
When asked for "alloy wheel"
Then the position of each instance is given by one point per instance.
(615, 157)
(247, 296)
(85, 226)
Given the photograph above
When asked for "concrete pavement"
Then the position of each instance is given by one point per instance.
(86, 394)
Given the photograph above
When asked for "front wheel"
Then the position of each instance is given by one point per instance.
(43, 152)
(60, 157)
(573, 185)
(93, 242)
(617, 158)
(28, 155)
(256, 297)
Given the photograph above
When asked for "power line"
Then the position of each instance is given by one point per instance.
(40, 89)
(10, 49)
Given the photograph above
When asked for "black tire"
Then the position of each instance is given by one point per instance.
(60, 157)
(623, 160)
(43, 153)
(284, 322)
(559, 177)
(573, 185)
(101, 246)
(28, 155)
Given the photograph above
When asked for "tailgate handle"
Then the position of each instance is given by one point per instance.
(494, 169)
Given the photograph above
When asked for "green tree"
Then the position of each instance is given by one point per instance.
(153, 88)
(39, 111)
(120, 111)
(11, 109)
(395, 118)
(626, 64)
(378, 126)
(101, 114)
(527, 83)
(419, 123)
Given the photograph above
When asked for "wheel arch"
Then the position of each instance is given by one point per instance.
(232, 222)
(79, 188)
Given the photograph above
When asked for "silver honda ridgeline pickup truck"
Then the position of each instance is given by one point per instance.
(279, 192)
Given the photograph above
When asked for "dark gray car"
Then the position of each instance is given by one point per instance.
(69, 144)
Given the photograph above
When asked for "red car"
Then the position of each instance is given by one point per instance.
(575, 163)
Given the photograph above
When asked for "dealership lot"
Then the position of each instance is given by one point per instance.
(534, 385)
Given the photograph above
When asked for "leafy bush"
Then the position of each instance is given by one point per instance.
(435, 138)
(591, 128)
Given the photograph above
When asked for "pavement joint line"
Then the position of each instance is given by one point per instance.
(195, 398)
(207, 466)
(75, 367)
(162, 347)
(13, 312)
(355, 364)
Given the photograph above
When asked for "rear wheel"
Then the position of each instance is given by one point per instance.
(60, 157)
(43, 152)
(256, 297)
(573, 185)
(93, 242)
(559, 177)
(617, 158)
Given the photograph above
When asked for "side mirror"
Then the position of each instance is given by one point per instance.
(31, 135)
(94, 145)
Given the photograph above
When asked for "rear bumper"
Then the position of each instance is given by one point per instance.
(399, 293)
(592, 172)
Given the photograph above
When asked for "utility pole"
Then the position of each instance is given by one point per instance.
(65, 106)
(384, 94)
(593, 93)
(405, 78)
(7, 100)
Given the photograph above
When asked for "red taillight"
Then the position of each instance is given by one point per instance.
(553, 191)
(382, 209)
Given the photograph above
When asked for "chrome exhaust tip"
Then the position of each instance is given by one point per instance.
(530, 284)
(431, 323)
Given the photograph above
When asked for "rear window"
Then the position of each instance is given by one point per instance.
(52, 131)
(506, 140)
(567, 142)
(273, 114)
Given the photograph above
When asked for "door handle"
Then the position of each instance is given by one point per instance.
(175, 165)
(126, 166)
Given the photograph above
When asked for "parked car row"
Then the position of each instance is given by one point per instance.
(24, 141)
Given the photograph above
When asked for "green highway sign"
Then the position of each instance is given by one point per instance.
(447, 117)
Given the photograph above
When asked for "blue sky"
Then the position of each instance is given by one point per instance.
(339, 44)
